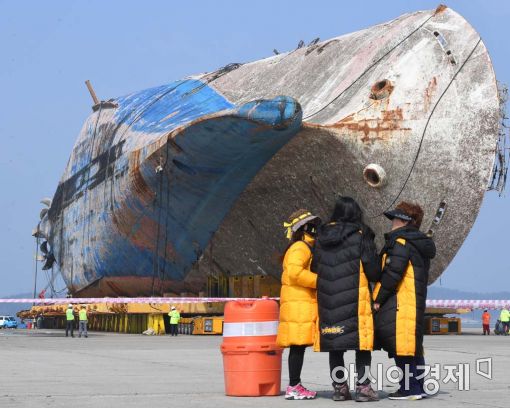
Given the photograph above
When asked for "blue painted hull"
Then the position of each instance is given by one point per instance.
(173, 184)
(150, 180)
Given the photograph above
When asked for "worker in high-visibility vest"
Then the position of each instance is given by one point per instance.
(70, 320)
(505, 319)
(175, 316)
(82, 315)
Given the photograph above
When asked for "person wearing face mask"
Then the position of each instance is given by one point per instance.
(400, 296)
(298, 303)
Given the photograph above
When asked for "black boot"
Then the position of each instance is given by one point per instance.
(341, 392)
(365, 393)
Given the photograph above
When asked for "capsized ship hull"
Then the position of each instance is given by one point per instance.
(170, 185)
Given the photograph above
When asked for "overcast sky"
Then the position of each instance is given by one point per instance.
(48, 49)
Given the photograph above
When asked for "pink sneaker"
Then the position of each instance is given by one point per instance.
(298, 392)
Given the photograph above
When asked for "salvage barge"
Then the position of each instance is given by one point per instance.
(182, 188)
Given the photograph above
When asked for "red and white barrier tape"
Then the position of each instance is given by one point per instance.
(447, 304)
(469, 304)
(158, 300)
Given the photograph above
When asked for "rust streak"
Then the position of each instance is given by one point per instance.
(429, 92)
(393, 115)
(141, 232)
(140, 187)
(374, 129)
(440, 9)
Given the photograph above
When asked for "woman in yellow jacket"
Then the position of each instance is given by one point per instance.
(298, 300)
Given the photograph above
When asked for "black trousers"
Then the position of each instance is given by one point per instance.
(416, 386)
(336, 359)
(296, 357)
(70, 326)
(173, 329)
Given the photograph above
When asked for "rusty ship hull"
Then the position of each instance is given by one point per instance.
(171, 185)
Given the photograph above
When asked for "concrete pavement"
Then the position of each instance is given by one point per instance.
(44, 369)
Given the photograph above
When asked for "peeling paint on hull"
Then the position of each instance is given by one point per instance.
(135, 217)
(193, 178)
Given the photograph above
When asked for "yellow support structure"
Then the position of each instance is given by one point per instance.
(208, 325)
(202, 308)
(156, 323)
(137, 317)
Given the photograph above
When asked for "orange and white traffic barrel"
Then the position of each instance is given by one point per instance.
(252, 361)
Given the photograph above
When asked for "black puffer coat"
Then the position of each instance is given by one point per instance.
(402, 291)
(345, 259)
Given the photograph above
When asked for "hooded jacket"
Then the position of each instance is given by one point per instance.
(298, 299)
(346, 260)
(402, 291)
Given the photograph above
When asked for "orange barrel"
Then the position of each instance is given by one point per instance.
(252, 361)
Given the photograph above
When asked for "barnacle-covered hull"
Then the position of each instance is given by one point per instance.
(170, 185)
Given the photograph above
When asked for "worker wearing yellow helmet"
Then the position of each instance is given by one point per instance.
(175, 316)
(83, 321)
(70, 320)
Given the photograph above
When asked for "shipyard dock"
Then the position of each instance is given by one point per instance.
(42, 368)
